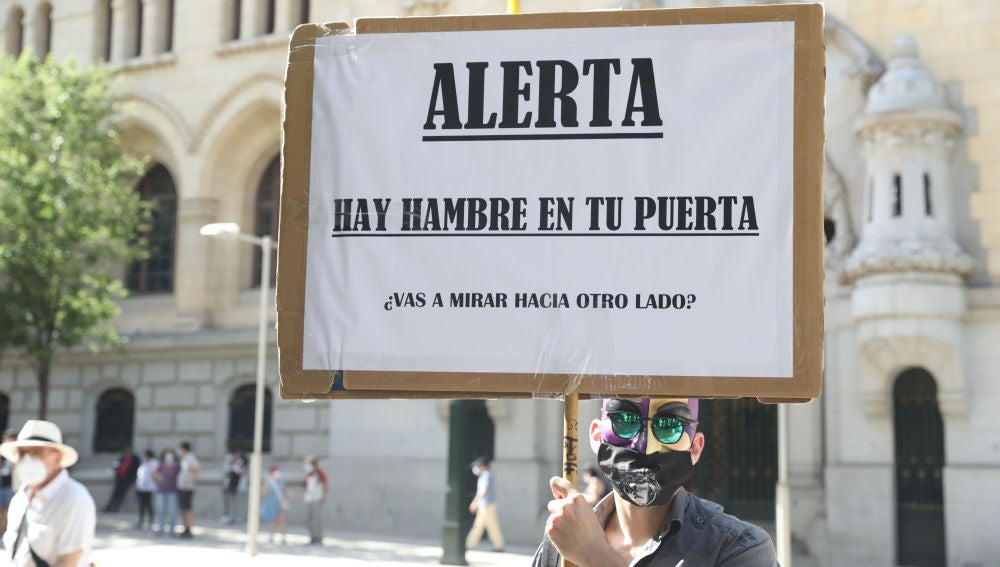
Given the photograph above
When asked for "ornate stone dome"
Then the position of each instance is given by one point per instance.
(906, 85)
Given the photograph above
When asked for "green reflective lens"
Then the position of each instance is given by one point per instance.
(667, 430)
(626, 424)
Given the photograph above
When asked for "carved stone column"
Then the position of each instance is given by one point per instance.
(250, 18)
(284, 12)
(194, 262)
(124, 35)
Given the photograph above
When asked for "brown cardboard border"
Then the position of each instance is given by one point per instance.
(807, 233)
(286, 394)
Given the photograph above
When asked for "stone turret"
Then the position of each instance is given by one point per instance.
(909, 299)
(908, 133)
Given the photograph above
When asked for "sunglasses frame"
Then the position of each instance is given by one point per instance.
(684, 421)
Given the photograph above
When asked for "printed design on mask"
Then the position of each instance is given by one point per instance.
(638, 486)
(645, 480)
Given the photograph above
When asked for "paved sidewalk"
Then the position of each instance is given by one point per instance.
(119, 544)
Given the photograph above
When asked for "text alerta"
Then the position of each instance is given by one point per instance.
(556, 80)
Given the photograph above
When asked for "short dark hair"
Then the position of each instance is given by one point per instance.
(186, 446)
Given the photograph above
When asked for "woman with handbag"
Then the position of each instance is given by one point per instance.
(274, 504)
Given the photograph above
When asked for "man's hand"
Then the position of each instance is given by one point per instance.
(473, 507)
(574, 529)
(70, 559)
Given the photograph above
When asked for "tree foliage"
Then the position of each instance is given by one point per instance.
(69, 217)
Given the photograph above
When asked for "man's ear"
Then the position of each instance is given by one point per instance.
(697, 444)
(595, 435)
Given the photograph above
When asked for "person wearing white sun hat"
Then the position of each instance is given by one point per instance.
(51, 517)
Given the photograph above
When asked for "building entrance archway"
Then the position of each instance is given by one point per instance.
(919, 430)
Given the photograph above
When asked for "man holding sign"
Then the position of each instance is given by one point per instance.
(648, 448)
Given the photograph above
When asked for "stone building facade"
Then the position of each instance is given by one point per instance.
(897, 463)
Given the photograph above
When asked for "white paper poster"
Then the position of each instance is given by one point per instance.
(599, 201)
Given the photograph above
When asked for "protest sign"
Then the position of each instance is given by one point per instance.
(593, 202)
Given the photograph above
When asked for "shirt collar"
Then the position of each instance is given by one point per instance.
(671, 524)
(675, 517)
(53, 486)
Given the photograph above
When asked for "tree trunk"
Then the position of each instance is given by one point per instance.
(43, 389)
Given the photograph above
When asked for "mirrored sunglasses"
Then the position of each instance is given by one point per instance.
(667, 430)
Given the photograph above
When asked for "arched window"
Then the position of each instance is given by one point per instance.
(15, 31)
(304, 11)
(231, 20)
(269, 14)
(919, 429)
(168, 26)
(266, 215)
(115, 421)
(155, 274)
(241, 409)
(928, 206)
(897, 196)
(4, 412)
(43, 30)
(103, 26)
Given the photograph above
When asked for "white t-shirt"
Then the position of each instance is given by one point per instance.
(314, 488)
(144, 481)
(61, 520)
(185, 480)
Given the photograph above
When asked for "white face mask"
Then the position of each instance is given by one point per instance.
(31, 471)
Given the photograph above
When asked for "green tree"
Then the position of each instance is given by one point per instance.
(69, 217)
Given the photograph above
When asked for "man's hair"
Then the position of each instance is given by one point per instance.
(481, 462)
(186, 446)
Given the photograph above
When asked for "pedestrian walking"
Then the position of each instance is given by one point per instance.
(125, 469)
(145, 488)
(315, 490)
(274, 504)
(52, 515)
(230, 484)
(484, 506)
(166, 492)
(240, 502)
(190, 469)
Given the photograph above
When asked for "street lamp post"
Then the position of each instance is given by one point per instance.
(231, 231)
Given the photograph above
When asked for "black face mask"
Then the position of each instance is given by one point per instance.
(645, 480)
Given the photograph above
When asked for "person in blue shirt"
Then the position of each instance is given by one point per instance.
(484, 506)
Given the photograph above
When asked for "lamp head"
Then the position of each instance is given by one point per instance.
(228, 230)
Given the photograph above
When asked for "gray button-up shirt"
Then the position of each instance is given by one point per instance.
(696, 531)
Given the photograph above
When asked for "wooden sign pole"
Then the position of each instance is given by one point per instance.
(571, 443)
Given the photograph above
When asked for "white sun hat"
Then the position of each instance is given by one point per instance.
(37, 433)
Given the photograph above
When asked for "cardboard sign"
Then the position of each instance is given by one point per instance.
(607, 202)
